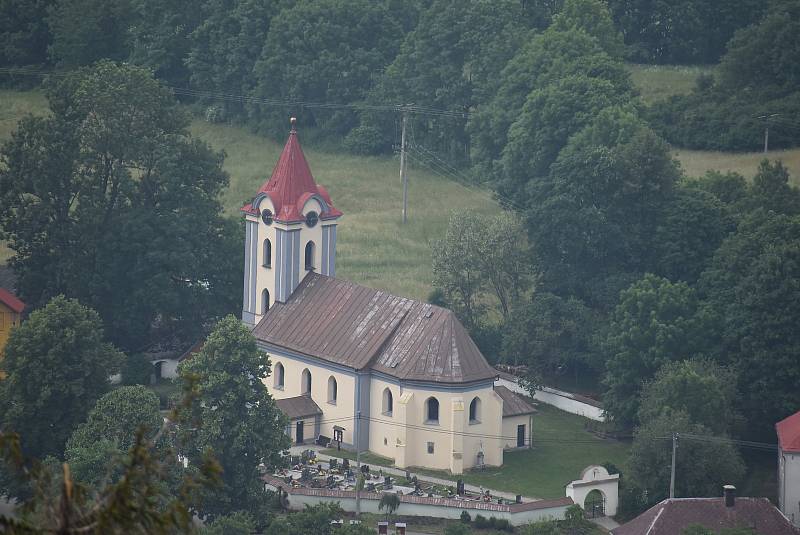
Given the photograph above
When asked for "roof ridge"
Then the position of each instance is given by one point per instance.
(379, 350)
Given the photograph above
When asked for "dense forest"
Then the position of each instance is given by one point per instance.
(677, 296)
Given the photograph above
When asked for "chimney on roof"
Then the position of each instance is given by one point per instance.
(730, 495)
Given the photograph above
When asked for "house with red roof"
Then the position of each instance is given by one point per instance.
(11, 308)
(789, 467)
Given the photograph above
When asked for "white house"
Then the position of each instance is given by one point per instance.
(789, 467)
(396, 376)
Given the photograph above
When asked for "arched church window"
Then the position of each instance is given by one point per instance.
(332, 390)
(475, 410)
(432, 411)
(388, 402)
(305, 383)
(264, 301)
(310, 255)
(267, 253)
(279, 375)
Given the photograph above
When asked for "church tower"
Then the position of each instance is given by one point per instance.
(290, 231)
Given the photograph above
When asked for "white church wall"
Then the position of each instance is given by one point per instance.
(789, 485)
(516, 514)
(565, 401)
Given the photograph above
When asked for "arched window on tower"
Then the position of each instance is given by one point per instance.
(432, 411)
(267, 253)
(310, 256)
(280, 376)
(333, 391)
(475, 410)
(264, 301)
(388, 402)
(305, 383)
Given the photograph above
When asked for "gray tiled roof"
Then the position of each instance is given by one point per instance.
(362, 328)
(513, 403)
(298, 407)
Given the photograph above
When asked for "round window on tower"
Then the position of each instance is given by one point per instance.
(311, 219)
(266, 216)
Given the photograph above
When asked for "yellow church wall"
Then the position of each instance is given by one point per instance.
(510, 430)
(453, 416)
(339, 413)
(383, 428)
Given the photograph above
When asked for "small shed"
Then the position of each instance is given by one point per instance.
(304, 418)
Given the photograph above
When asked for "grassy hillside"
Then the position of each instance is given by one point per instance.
(697, 162)
(374, 248)
(657, 82)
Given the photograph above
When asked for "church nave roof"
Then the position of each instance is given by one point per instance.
(362, 328)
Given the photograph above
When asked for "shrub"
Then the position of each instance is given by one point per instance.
(366, 140)
(456, 528)
(136, 370)
(465, 518)
(481, 522)
(500, 524)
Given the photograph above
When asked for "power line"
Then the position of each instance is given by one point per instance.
(563, 440)
(234, 97)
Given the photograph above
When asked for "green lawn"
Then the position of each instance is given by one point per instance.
(657, 82)
(374, 248)
(562, 448)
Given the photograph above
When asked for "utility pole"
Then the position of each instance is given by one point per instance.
(358, 461)
(672, 475)
(403, 177)
(766, 118)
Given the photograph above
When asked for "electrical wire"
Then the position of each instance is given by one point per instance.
(234, 97)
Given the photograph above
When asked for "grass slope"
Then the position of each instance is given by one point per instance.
(657, 82)
(374, 247)
(697, 162)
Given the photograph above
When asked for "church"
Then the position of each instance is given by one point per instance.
(367, 369)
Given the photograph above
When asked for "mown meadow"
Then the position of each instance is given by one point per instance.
(374, 247)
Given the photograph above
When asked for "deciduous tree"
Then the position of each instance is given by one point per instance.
(593, 213)
(700, 388)
(752, 283)
(656, 322)
(109, 432)
(109, 200)
(702, 465)
(58, 365)
(239, 422)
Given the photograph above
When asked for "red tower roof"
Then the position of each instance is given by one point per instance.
(789, 433)
(291, 185)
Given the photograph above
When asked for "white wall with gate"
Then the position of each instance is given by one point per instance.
(596, 477)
